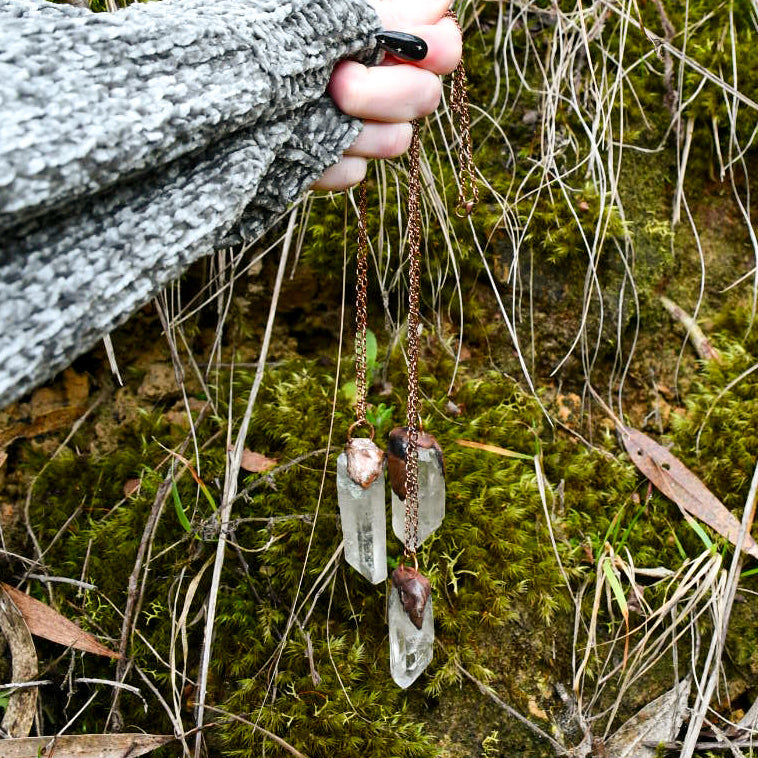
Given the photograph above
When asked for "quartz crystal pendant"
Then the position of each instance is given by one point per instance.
(431, 482)
(360, 493)
(411, 622)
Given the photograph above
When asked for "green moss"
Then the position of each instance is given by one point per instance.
(491, 563)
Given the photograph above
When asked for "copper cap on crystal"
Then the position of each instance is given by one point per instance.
(413, 589)
(365, 461)
(397, 449)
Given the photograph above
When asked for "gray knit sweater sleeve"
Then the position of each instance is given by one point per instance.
(133, 143)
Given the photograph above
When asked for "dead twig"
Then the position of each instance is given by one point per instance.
(134, 598)
(265, 732)
(19, 712)
(268, 477)
(485, 689)
(700, 342)
(233, 462)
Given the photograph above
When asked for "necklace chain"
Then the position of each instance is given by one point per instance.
(361, 317)
(468, 190)
(468, 195)
(414, 254)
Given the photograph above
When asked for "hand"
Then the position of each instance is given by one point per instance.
(388, 97)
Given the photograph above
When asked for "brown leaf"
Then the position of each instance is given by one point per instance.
(256, 463)
(679, 484)
(85, 745)
(48, 410)
(131, 487)
(45, 622)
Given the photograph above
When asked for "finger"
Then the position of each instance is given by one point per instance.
(444, 45)
(384, 93)
(346, 173)
(379, 140)
(397, 14)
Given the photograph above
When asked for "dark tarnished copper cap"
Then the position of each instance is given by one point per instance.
(397, 449)
(365, 461)
(413, 589)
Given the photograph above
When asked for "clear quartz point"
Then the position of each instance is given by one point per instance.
(411, 648)
(362, 509)
(431, 497)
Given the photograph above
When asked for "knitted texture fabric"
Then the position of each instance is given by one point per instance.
(133, 143)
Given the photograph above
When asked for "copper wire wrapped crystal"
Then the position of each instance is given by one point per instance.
(365, 461)
(360, 493)
(413, 589)
(431, 482)
(411, 622)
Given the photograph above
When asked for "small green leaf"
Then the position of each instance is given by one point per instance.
(618, 590)
(204, 489)
(679, 547)
(372, 350)
(181, 515)
(700, 533)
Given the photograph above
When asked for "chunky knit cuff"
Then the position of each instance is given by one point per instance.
(133, 143)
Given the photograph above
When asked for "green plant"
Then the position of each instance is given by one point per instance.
(380, 417)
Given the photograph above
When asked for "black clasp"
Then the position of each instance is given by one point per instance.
(407, 47)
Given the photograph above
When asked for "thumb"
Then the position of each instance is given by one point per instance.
(400, 14)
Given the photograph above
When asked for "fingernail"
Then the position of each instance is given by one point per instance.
(407, 47)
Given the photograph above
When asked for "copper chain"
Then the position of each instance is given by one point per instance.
(468, 190)
(361, 317)
(414, 255)
(468, 195)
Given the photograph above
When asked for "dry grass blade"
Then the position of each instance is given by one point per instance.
(86, 745)
(19, 712)
(679, 484)
(233, 462)
(493, 449)
(45, 622)
(658, 721)
(723, 611)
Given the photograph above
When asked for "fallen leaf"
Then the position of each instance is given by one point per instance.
(131, 487)
(679, 484)
(86, 745)
(494, 449)
(658, 721)
(256, 463)
(45, 622)
(19, 712)
(536, 711)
